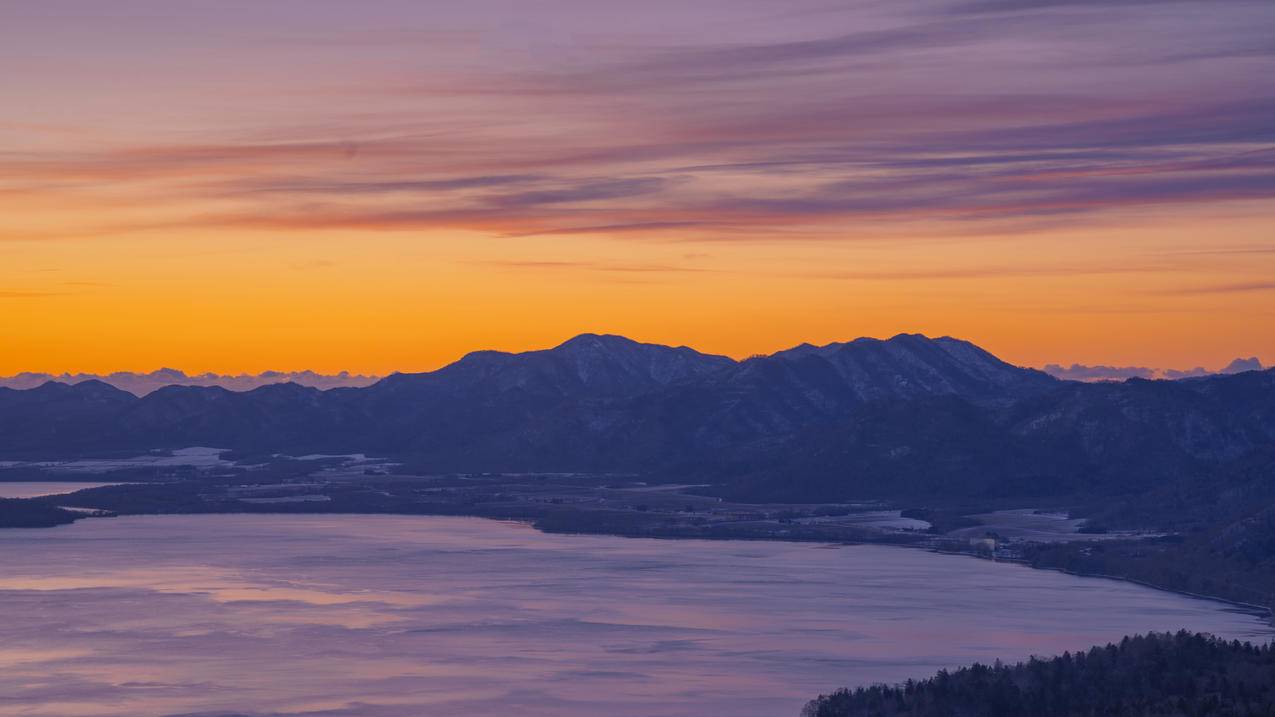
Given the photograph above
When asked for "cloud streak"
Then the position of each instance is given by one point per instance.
(1241, 287)
(938, 113)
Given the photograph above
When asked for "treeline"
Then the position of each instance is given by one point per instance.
(1192, 564)
(1160, 675)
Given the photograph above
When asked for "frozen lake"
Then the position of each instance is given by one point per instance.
(371, 616)
(37, 489)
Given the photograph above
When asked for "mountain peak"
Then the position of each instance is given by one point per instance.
(914, 364)
(1240, 365)
(631, 366)
(169, 374)
(590, 341)
(903, 339)
(92, 389)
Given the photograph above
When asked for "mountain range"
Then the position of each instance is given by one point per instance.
(910, 415)
(1081, 372)
(140, 384)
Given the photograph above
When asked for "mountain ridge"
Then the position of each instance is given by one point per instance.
(863, 418)
(143, 383)
(591, 377)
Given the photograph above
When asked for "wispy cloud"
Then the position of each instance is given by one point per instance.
(1241, 287)
(597, 266)
(16, 294)
(939, 112)
(986, 272)
(981, 6)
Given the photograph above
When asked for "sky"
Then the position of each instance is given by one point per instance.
(387, 184)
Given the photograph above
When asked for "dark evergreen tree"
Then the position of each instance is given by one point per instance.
(1157, 675)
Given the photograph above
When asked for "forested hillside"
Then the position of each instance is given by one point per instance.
(1159, 675)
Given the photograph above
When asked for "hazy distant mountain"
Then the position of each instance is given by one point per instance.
(1240, 365)
(1080, 372)
(908, 415)
(140, 384)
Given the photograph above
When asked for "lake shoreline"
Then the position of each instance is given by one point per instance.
(927, 543)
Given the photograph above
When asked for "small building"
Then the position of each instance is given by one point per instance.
(987, 543)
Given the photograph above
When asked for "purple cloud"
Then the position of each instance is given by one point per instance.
(661, 121)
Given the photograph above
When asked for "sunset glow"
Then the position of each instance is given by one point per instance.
(383, 186)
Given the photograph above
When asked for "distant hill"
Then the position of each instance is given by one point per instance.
(1080, 372)
(1159, 675)
(1073, 439)
(907, 416)
(140, 384)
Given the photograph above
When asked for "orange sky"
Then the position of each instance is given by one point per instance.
(248, 190)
